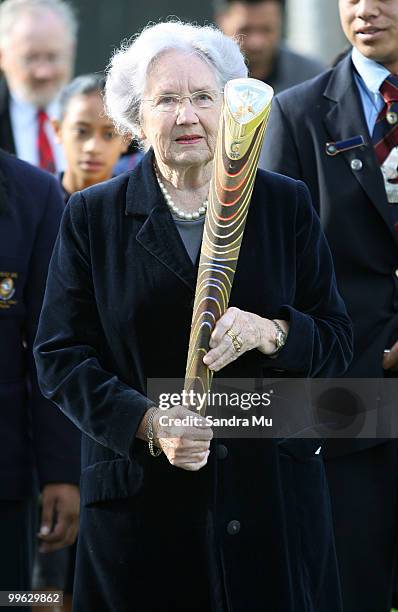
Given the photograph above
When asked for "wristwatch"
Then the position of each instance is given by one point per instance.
(280, 339)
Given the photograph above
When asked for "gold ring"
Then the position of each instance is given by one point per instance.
(236, 341)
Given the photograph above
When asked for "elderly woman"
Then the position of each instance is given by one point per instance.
(242, 526)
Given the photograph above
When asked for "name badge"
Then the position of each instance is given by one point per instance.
(334, 148)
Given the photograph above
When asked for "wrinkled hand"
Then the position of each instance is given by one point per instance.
(61, 503)
(390, 359)
(253, 332)
(185, 447)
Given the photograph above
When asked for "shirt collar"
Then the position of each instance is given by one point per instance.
(30, 110)
(22, 107)
(372, 73)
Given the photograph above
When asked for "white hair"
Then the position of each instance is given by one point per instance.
(130, 65)
(11, 10)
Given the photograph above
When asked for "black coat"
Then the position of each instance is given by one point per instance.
(6, 135)
(349, 195)
(117, 311)
(352, 203)
(34, 437)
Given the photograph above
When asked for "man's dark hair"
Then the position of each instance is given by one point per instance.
(81, 86)
(222, 5)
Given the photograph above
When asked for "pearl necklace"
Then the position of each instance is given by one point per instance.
(178, 211)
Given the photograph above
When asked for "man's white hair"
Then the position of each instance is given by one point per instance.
(11, 10)
(130, 65)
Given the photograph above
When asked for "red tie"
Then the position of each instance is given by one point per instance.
(385, 134)
(46, 157)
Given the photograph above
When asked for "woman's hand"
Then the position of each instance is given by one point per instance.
(251, 332)
(185, 446)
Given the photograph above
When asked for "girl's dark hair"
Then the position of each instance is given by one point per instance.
(81, 86)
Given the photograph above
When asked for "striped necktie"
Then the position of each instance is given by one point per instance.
(385, 133)
(385, 142)
(46, 157)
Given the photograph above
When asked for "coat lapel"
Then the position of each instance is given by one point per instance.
(5, 207)
(345, 120)
(158, 234)
(6, 136)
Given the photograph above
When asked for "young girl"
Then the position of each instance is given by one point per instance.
(91, 145)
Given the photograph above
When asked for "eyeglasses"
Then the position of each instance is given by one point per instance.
(38, 59)
(170, 103)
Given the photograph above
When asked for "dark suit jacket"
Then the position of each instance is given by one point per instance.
(6, 136)
(351, 202)
(117, 312)
(34, 436)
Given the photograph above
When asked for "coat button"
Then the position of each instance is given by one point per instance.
(222, 451)
(233, 527)
(356, 164)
